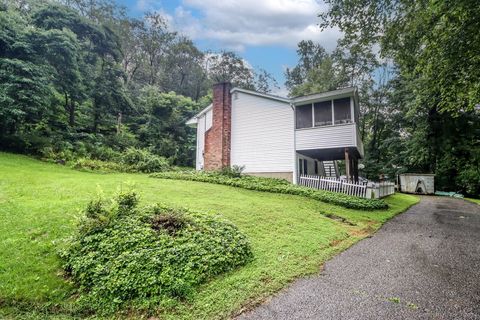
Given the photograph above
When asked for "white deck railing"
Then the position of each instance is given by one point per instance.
(384, 189)
(375, 190)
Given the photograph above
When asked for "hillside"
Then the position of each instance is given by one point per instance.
(40, 204)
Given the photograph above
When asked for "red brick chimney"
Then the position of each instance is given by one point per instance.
(218, 137)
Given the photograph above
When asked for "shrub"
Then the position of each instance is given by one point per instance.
(276, 186)
(97, 165)
(144, 258)
(142, 160)
(233, 171)
(103, 153)
(52, 154)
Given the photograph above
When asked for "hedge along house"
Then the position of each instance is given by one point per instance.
(279, 137)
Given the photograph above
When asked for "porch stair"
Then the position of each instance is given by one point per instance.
(330, 168)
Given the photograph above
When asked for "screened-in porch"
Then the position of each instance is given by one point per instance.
(326, 130)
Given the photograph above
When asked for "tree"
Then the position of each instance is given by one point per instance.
(24, 82)
(432, 47)
(185, 74)
(155, 40)
(80, 78)
(229, 67)
(315, 71)
(264, 81)
(164, 130)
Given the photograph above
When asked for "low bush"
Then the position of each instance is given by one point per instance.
(276, 186)
(232, 172)
(105, 159)
(103, 153)
(97, 165)
(126, 257)
(142, 160)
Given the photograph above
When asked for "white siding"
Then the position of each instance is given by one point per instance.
(200, 142)
(326, 137)
(262, 134)
(208, 119)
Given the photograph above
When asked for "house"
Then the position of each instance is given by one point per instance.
(279, 137)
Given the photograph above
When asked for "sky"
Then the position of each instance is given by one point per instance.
(263, 32)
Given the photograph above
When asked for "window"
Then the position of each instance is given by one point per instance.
(342, 110)
(323, 113)
(316, 167)
(303, 115)
(305, 166)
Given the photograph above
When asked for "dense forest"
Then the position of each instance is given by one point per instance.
(83, 79)
(417, 66)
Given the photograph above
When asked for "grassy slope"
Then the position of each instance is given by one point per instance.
(39, 204)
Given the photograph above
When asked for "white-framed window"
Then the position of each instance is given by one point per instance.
(342, 111)
(324, 113)
(303, 116)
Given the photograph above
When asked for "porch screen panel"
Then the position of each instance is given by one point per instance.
(342, 110)
(303, 114)
(323, 113)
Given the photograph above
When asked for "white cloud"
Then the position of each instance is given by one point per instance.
(239, 23)
(281, 92)
(145, 5)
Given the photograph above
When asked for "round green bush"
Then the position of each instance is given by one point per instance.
(142, 160)
(144, 258)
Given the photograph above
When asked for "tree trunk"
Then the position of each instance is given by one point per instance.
(71, 114)
(119, 123)
(96, 116)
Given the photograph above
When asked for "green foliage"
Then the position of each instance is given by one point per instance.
(103, 153)
(290, 237)
(97, 165)
(129, 257)
(165, 127)
(84, 72)
(234, 171)
(276, 186)
(314, 72)
(422, 114)
(142, 160)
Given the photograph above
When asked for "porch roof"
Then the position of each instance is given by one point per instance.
(329, 154)
(329, 95)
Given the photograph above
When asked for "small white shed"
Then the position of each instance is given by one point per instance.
(420, 183)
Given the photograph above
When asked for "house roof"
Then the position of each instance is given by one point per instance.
(194, 120)
(339, 93)
(259, 94)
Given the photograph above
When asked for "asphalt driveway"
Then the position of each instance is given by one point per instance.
(423, 264)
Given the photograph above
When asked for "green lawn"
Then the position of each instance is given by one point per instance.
(290, 235)
(477, 201)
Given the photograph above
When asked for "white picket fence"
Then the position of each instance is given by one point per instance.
(384, 189)
(371, 190)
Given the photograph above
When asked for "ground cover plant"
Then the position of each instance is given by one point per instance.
(126, 256)
(276, 186)
(41, 204)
